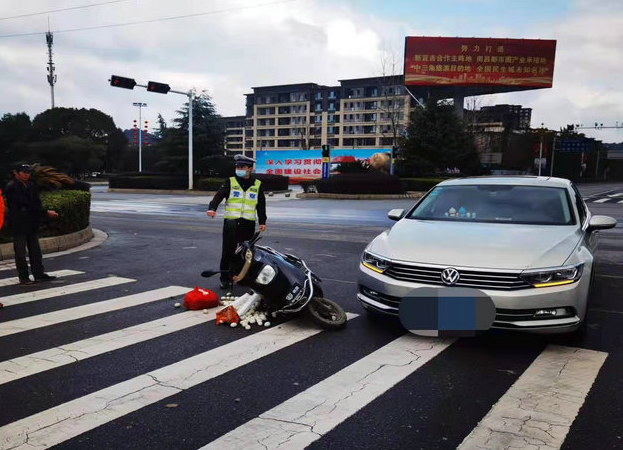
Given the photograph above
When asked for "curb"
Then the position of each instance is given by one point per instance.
(410, 194)
(62, 245)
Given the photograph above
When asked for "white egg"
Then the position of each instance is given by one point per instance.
(248, 327)
(177, 305)
(251, 319)
(205, 311)
(233, 324)
(266, 324)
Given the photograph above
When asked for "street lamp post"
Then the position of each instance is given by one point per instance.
(140, 159)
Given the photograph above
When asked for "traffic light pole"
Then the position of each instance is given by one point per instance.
(162, 88)
(140, 124)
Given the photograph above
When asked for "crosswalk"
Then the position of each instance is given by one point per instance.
(175, 380)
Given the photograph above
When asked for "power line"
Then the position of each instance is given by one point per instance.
(62, 9)
(125, 24)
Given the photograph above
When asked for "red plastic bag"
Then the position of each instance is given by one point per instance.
(200, 299)
(227, 315)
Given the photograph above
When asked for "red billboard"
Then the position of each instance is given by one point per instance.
(441, 61)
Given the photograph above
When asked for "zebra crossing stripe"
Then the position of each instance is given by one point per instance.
(620, 201)
(43, 294)
(602, 200)
(58, 273)
(63, 422)
(306, 417)
(52, 358)
(538, 409)
(80, 312)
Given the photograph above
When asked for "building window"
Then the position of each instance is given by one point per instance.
(318, 95)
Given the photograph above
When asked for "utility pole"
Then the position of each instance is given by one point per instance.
(140, 124)
(51, 76)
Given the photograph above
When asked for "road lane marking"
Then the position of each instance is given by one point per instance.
(602, 200)
(538, 409)
(92, 309)
(43, 294)
(66, 421)
(59, 273)
(52, 358)
(306, 417)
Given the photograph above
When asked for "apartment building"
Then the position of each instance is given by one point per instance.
(358, 113)
(234, 133)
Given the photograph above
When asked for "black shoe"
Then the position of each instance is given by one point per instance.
(226, 285)
(25, 281)
(45, 277)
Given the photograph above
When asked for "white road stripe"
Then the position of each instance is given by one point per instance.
(539, 408)
(66, 421)
(602, 200)
(7, 266)
(52, 358)
(43, 294)
(306, 417)
(620, 201)
(80, 312)
(58, 273)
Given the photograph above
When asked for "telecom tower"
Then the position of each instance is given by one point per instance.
(51, 77)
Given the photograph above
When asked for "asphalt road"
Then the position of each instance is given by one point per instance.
(393, 403)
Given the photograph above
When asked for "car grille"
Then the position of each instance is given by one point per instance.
(468, 278)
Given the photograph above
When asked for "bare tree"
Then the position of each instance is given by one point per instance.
(392, 94)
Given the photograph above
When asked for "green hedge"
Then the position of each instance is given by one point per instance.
(273, 182)
(208, 184)
(148, 181)
(420, 184)
(73, 208)
(360, 183)
(161, 181)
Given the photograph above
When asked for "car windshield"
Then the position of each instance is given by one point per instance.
(533, 205)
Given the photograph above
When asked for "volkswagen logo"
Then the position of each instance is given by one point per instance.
(450, 276)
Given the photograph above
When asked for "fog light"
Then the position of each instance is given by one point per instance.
(545, 312)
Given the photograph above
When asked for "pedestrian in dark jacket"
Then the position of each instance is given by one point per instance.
(245, 200)
(25, 215)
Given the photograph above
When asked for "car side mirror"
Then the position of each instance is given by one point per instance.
(601, 223)
(396, 214)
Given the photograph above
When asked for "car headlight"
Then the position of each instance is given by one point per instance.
(266, 275)
(553, 277)
(374, 262)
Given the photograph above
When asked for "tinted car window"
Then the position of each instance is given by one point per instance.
(580, 204)
(497, 203)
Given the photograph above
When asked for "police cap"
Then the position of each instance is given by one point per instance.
(22, 167)
(242, 160)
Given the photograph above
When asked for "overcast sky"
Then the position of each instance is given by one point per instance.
(228, 47)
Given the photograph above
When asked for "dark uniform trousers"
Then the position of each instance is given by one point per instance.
(20, 243)
(235, 231)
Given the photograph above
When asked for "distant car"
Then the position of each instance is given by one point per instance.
(526, 242)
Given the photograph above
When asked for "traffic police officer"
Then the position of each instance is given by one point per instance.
(245, 199)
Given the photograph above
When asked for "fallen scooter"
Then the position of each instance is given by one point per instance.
(283, 284)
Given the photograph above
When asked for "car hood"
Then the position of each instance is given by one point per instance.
(482, 245)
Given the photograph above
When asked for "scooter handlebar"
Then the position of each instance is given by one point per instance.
(248, 258)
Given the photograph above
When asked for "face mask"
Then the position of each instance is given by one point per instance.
(241, 173)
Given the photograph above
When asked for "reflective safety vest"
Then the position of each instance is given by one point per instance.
(241, 203)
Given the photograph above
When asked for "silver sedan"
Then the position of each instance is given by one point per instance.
(528, 243)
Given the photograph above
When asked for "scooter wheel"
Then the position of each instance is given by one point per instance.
(326, 313)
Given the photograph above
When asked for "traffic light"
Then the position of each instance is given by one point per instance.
(160, 88)
(395, 151)
(326, 150)
(122, 82)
